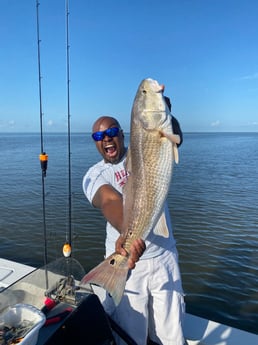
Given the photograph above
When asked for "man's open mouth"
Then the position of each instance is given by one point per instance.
(110, 149)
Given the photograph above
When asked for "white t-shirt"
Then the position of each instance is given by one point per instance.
(115, 175)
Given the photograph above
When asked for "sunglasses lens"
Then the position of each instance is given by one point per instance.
(111, 132)
(97, 136)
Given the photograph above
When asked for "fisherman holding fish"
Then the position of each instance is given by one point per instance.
(130, 187)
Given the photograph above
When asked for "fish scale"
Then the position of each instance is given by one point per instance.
(156, 174)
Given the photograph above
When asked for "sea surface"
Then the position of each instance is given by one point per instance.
(213, 202)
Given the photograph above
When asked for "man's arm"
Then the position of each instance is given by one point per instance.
(110, 202)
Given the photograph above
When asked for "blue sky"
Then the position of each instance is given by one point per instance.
(204, 51)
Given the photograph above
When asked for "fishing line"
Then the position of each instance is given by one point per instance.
(43, 156)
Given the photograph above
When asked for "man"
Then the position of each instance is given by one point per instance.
(152, 304)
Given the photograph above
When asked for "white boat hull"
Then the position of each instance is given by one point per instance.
(199, 331)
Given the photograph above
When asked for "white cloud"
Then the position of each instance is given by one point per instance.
(7, 124)
(215, 123)
(250, 76)
(11, 123)
(50, 123)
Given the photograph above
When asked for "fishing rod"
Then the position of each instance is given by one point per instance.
(67, 248)
(43, 156)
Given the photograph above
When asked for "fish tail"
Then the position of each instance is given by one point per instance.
(110, 274)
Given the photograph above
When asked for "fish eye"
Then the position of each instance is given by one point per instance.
(144, 91)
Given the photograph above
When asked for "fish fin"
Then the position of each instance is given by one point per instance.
(161, 228)
(176, 154)
(111, 274)
(174, 138)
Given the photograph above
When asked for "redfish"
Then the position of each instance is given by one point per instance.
(149, 164)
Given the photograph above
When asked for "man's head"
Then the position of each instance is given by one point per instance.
(109, 139)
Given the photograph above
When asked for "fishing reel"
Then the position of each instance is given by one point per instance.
(66, 290)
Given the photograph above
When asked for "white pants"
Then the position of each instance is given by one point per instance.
(153, 302)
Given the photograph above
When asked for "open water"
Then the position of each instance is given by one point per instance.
(213, 203)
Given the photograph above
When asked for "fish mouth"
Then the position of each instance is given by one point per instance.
(156, 86)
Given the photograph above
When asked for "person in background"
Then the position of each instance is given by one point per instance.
(152, 307)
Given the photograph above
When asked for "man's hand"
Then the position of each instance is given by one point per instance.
(136, 250)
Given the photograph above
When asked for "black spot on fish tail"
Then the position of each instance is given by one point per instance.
(112, 261)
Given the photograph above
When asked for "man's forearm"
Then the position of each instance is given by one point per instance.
(113, 212)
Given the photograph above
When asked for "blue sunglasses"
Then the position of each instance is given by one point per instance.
(110, 132)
